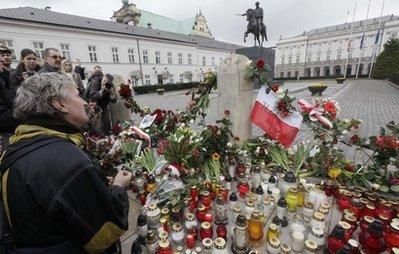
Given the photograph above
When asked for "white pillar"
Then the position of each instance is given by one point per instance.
(236, 94)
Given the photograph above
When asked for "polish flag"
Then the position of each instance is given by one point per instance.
(265, 116)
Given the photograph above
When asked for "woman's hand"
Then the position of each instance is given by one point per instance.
(123, 179)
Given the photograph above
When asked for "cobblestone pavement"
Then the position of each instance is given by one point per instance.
(373, 101)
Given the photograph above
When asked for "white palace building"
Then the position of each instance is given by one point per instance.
(323, 51)
(139, 45)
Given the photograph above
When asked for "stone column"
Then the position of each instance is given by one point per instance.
(236, 94)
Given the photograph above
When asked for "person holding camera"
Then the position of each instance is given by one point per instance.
(103, 93)
(26, 68)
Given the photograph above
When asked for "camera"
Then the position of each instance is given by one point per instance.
(108, 85)
(30, 73)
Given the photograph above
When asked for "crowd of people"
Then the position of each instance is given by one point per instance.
(55, 199)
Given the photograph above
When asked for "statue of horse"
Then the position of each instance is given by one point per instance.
(253, 28)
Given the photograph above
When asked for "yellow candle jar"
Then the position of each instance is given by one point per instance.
(292, 199)
(272, 232)
(255, 227)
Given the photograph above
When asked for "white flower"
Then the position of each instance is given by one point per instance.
(344, 132)
(192, 121)
(248, 63)
(279, 91)
(183, 125)
(229, 144)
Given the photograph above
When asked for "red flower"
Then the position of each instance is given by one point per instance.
(161, 146)
(391, 142)
(395, 181)
(274, 88)
(349, 167)
(355, 139)
(125, 91)
(196, 153)
(260, 63)
(117, 128)
(380, 142)
(281, 105)
(160, 116)
(331, 109)
(227, 112)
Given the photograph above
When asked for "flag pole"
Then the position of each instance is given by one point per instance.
(364, 39)
(350, 39)
(379, 39)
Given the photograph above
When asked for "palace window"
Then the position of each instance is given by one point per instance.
(339, 55)
(130, 53)
(115, 55)
(290, 59)
(349, 55)
(203, 61)
(282, 60)
(65, 50)
(328, 56)
(158, 57)
(309, 57)
(92, 53)
(318, 57)
(169, 57)
(189, 59)
(281, 74)
(181, 76)
(9, 44)
(180, 58)
(213, 61)
(170, 78)
(147, 79)
(145, 56)
(38, 48)
(289, 74)
(298, 58)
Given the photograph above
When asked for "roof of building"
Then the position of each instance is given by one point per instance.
(30, 14)
(165, 23)
(349, 25)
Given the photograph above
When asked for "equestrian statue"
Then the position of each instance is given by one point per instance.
(255, 24)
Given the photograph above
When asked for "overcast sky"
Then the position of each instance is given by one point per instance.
(282, 17)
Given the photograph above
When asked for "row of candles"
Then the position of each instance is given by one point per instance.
(291, 212)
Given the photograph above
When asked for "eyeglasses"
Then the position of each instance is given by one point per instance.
(56, 57)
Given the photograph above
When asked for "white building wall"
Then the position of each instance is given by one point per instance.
(23, 36)
(332, 48)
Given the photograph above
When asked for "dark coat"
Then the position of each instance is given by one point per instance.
(56, 194)
(5, 76)
(48, 68)
(16, 76)
(8, 123)
(81, 71)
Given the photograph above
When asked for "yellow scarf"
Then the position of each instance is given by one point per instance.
(25, 131)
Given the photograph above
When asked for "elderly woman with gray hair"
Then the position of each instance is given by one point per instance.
(56, 199)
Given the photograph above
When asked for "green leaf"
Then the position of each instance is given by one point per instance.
(395, 188)
(384, 188)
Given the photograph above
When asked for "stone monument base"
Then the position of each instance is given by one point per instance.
(254, 53)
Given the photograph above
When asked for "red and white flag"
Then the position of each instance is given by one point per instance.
(265, 116)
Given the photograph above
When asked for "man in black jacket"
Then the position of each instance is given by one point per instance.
(55, 198)
(52, 62)
(8, 123)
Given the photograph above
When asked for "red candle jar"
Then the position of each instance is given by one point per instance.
(190, 241)
(384, 207)
(206, 198)
(208, 218)
(354, 246)
(336, 240)
(369, 210)
(365, 223)
(344, 200)
(194, 193)
(164, 247)
(164, 222)
(221, 231)
(142, 197)
(329, 188)
(201, 213)
(357, 208)
(243, 188)
(224, 192)
(373, 240)
(392, 236)
(192, 204)
(205, 231)
(384, 220)
(347, 229)
(352, 221)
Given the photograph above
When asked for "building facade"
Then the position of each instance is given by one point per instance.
(324, 51)
(144, 55)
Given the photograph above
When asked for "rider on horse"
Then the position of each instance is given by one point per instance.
(259, 16)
